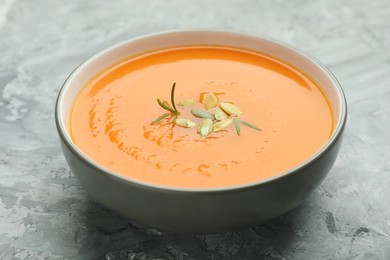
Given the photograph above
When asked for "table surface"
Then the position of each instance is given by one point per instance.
(45, 212)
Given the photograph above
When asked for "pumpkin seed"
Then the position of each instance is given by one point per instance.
(202, 114)
(184, 122)
(219, 114)
(210, 100)
(205, 127)
(222, 124)
(188, 102)
(230, 109)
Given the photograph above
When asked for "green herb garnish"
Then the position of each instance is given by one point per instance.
(160, 118)
(249, 125)
(237, 126)
(173, 96)
(164, 104)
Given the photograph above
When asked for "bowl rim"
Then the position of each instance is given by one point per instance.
(64, 135)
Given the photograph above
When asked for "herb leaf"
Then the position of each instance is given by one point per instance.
(237, 126)
(173, 96)
(160, 118)
(164, 104)
(250, 125)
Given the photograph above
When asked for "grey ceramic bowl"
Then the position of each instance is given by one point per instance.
(200, 210)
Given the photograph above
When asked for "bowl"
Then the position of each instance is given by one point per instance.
(207, 210)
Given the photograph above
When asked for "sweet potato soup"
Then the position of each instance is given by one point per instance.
(232, 117)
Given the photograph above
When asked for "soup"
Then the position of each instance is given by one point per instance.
(283, 117)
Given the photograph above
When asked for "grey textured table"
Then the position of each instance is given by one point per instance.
(46, 214)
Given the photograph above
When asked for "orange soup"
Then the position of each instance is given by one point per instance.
(116, 119)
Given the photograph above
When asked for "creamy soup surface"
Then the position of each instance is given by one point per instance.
(111, 118)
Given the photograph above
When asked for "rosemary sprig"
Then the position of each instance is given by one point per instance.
(164, 104)
(160, 118)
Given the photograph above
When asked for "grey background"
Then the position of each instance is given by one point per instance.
(46, 214)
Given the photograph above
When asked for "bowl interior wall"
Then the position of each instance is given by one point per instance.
(127, 49)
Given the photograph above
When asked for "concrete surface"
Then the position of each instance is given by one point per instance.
(46, 214)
